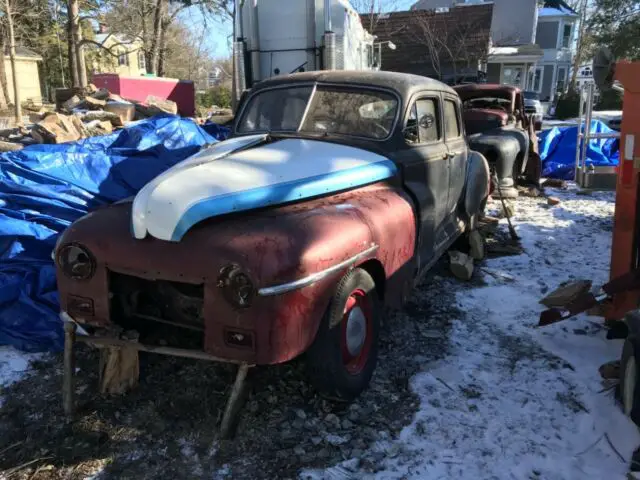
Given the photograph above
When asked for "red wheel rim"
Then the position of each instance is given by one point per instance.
(356, 332)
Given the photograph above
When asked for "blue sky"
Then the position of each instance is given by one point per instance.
(216, 34)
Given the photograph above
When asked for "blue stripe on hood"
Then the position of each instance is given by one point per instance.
(282, 193)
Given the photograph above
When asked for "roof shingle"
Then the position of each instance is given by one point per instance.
(434, 43)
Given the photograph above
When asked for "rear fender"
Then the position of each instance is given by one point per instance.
(477, 183)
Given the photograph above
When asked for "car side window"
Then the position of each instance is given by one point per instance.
(428, 120)
(451, 119)
(423, 125)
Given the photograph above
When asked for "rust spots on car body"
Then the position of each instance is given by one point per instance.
(273, 246)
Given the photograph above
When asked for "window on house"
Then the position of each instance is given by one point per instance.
(123, 59)
(535, 79)
(142, 63)
(512, 75)
(451, 120)
(566, 36)
(561, 80)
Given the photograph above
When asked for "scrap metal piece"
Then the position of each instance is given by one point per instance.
(583, 300)
(234, 401)
(68, 380)
(566, 293)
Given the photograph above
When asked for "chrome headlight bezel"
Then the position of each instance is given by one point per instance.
(236, 285)
(76, 261)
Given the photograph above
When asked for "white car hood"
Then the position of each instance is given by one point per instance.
(240, 174)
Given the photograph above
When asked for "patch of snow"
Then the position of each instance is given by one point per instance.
(554, 12)
(503, 51)
(13, 365)
(512, 401)
(189, 453)
(336, 439)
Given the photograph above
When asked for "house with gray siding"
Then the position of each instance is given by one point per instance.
(555, 34)
(531, 47)
(513, 51)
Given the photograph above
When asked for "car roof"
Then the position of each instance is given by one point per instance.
(403, 83)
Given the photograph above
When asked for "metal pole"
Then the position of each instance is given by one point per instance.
(68, 380)
(587, 128)
(328, 27)
(233, 401)
(174, 352)
(579, 135)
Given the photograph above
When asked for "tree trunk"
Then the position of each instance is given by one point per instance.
(162, 51)
(157, 36)
(73, 59)
(580, 47)
(4, 91)
(17, 109)
(76, 40)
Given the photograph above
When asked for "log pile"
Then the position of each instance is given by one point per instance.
(80, 113)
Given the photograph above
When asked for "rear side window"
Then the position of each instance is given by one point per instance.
(451, 119)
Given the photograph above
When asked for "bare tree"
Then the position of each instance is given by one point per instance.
(373, 9)
(8, 7)
(456, 45)
(77, 65)
(585, 39)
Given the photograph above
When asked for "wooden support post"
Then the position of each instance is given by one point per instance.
(120, 367)
(68, 381)
(233, 403)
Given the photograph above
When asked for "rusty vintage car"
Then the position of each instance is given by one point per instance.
(335, 193)
(499, 127)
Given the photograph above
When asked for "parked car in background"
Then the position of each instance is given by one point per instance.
(497, 126)
(336, 192)
(533, 107)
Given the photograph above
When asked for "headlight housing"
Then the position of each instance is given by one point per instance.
(76, 262)
(237, 288)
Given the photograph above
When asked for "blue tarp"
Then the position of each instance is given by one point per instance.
(43, 188)
(558, 150)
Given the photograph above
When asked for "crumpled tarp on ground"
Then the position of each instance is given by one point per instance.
(558, 150)
(44, 188)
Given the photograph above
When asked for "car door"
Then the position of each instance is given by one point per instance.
(457, 150)
(425, 167)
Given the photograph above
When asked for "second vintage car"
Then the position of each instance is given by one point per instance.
(498, 126)
(336, 192)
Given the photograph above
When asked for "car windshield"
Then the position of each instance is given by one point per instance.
(531, 95)
(327, 110)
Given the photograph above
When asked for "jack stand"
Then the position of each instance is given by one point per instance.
(68, 381)
(233, 403)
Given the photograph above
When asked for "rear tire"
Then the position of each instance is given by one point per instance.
(342, 359)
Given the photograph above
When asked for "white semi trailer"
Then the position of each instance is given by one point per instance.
(276, 37)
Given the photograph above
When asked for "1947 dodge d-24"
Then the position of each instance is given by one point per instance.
(336, 191)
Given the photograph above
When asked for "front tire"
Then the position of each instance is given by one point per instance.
(344, 354)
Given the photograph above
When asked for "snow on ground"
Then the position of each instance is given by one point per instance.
(512, 401)
(13, 365)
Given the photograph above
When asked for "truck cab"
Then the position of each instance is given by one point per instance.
(307, 35)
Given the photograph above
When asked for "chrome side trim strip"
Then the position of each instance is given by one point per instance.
(306, 281)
